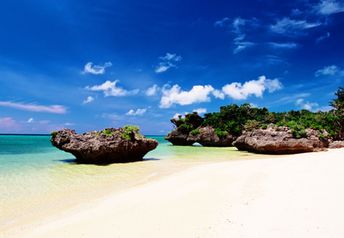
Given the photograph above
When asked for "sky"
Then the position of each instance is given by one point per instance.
(89, 65)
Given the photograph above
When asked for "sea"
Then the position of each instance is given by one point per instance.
(37, 178)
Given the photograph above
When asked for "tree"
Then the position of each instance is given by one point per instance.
(338, 104)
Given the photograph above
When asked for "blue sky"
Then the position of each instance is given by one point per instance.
(94, 64)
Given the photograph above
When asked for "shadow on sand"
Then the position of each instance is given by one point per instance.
(75, 161)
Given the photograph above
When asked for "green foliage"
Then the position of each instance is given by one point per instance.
(107, 132)
(297, 130)
(128, 131)
(53, 133)
(185, 128)
(252, 124)
(187, 124)
(234, 119)
(195, 132)
(221, 134)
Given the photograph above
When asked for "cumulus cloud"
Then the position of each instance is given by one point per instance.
(110, 88)
(332, 70)
(166, 62)
(30, 120)
(175, 95)
(89, 99)
(137, 112)
(310, 106)
(152, 91)
(90, 68)
(57, 109)
(328, 7)
(291, 26)
(241, 91)
(200, 110)
(218, 94)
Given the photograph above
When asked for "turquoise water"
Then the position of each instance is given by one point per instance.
(35, 177)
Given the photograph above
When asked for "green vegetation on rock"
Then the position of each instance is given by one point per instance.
(128, 130)
(233, 119)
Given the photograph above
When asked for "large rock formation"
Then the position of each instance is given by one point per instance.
(177, 137)
(104, 147)
(280, 140)
(336, 144)
(207, 136)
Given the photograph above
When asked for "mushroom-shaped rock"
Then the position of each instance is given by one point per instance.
(280, 140)
(177, 137)
(103, 147)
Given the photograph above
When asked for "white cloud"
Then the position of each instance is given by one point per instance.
(218, 94)
(200, 110)
(168, 61)
(324, 37)
(89, 99)
(240, 41)
(221, 23)
(286, 45)
(152, 91)
(310, 106)
(332, 70)
(241, 45)
(175, 95)
(290, 26)
(241, 91)
(111, 89)
(57, 109)
(90, 68)
(137, 112)
(328, 7)
(30, 120)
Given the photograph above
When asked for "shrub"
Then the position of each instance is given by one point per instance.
(128, 130)
(107, 132)
(221, 134)
(195, 132)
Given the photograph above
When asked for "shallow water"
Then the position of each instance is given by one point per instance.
(35, 177)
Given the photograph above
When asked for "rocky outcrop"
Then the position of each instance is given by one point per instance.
(176, 137)
(104, 147)
(207, 136)
(280, 140)
(336, 144)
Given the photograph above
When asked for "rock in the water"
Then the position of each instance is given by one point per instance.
(177, 137)
(279, 140)
(103, 147)
(207, 136)
(336, 144)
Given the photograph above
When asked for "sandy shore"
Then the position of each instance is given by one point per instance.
(289, 196)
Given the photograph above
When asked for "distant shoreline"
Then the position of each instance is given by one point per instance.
(23, 134)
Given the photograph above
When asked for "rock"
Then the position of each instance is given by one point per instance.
(279, 140)
(103, 147)
(207, 136)
(177, 137)
(336, 144)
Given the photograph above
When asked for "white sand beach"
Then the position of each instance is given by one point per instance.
(286, 196)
